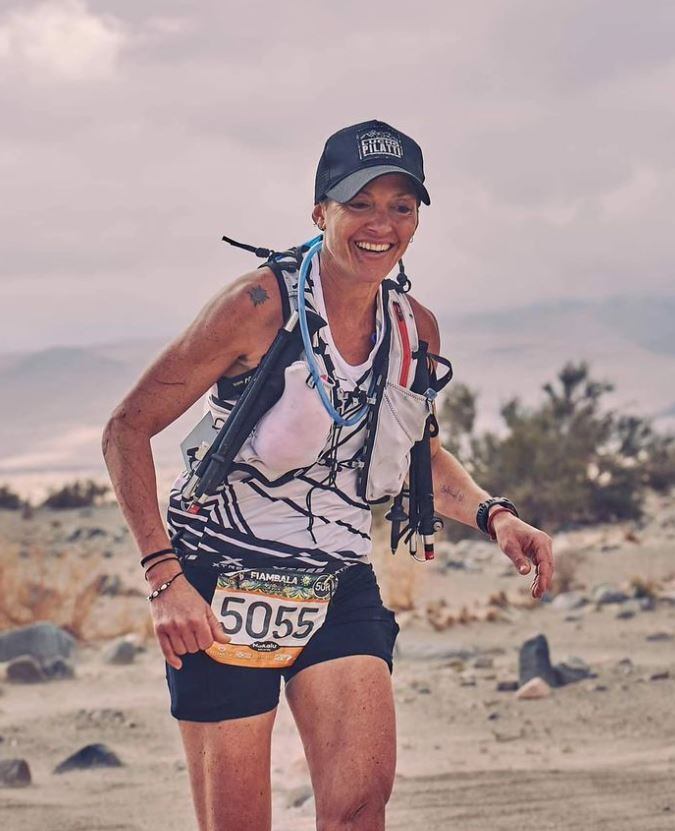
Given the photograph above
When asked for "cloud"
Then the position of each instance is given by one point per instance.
(62, 40)
(546, 131)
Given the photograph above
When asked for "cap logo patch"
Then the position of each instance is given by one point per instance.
(378, 143)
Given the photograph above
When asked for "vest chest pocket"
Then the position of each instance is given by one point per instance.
(401, 420)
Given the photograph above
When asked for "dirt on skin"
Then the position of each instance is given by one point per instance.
(598, 754)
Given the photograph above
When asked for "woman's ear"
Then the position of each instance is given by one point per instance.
(318, 216)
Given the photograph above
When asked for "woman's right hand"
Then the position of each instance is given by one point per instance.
(183, 620)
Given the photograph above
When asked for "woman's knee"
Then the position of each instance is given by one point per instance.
(360, 809)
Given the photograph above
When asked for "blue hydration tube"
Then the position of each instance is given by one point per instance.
(314, 246)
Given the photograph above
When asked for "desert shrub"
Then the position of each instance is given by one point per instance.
(35, 585)
(457, 418)
(9, 500)
(567, 564)
(78, 494)
(568, 461)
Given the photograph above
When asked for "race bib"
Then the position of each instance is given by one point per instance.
(269, 614)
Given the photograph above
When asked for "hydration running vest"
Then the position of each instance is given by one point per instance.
(322, 505)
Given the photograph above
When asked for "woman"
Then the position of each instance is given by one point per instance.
(264, 525)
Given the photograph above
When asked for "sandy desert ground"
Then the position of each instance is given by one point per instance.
(596, 754)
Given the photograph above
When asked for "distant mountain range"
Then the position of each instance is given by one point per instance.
(55, 401)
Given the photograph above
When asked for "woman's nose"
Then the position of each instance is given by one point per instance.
(379, 220)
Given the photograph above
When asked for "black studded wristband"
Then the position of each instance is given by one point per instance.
(483, 512)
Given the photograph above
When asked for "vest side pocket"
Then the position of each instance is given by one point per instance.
(400, 424)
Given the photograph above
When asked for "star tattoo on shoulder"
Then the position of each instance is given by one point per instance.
(258, 295)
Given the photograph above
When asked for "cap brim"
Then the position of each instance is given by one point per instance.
(352, 184)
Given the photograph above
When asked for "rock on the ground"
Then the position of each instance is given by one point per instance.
(507, 686)
(535, 662)
(659, 636)
(604, 594)
(534, 688)
(121, 651)
(568, 601)
(14, 773)
(298, 796)
(58, 669)
(25, 670)
(44, 641)
(571, 670)
(90, 756)
(634, 607)
(664, 675)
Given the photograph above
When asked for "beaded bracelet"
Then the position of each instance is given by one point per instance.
(155, 554)
(162, 588)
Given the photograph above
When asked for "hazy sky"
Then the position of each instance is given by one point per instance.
(134, 134)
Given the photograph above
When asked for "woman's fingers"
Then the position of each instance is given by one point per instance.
(215, 629)
(523, 549)
(543, 558)
(513, 550)
(169, 652)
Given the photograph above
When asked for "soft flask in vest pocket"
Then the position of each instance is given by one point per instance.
(401, 419)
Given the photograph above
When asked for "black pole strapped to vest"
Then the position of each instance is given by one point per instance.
(262, 392)
(421, 517)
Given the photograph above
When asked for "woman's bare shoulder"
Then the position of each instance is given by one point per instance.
(249, 305)
(427, 325)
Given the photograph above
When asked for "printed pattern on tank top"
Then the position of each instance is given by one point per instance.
(311, 516)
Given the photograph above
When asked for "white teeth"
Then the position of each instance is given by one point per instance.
(374, 246)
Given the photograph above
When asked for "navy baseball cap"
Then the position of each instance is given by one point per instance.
(355, 155)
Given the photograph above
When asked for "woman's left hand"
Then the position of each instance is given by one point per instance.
(523, 545)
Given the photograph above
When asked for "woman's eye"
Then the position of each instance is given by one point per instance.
(358, 205)
(404, 209)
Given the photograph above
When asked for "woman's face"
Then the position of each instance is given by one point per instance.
(368, 235)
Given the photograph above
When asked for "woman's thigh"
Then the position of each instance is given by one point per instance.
(344, 709)
(229, 767)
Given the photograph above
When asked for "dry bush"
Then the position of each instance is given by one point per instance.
(439, 616)
(641, 587)
(79, 494)
(65, 591)
(9, 500)
(565, 575)
(467, 616)
(498, 599)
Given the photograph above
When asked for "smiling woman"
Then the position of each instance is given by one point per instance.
(274, 553)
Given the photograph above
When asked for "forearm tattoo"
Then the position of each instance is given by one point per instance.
(258, 295)
(453, 493)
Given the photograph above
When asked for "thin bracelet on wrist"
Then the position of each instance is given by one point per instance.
(149, 557)
(159, 563)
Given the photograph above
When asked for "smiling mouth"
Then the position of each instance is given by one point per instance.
(374, 247)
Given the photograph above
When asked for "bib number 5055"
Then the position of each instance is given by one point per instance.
(259, 620)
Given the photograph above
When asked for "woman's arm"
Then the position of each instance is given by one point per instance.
(232, 332)
(457, 496)
(235, 327)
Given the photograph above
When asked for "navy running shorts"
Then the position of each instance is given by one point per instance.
(357, 623)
